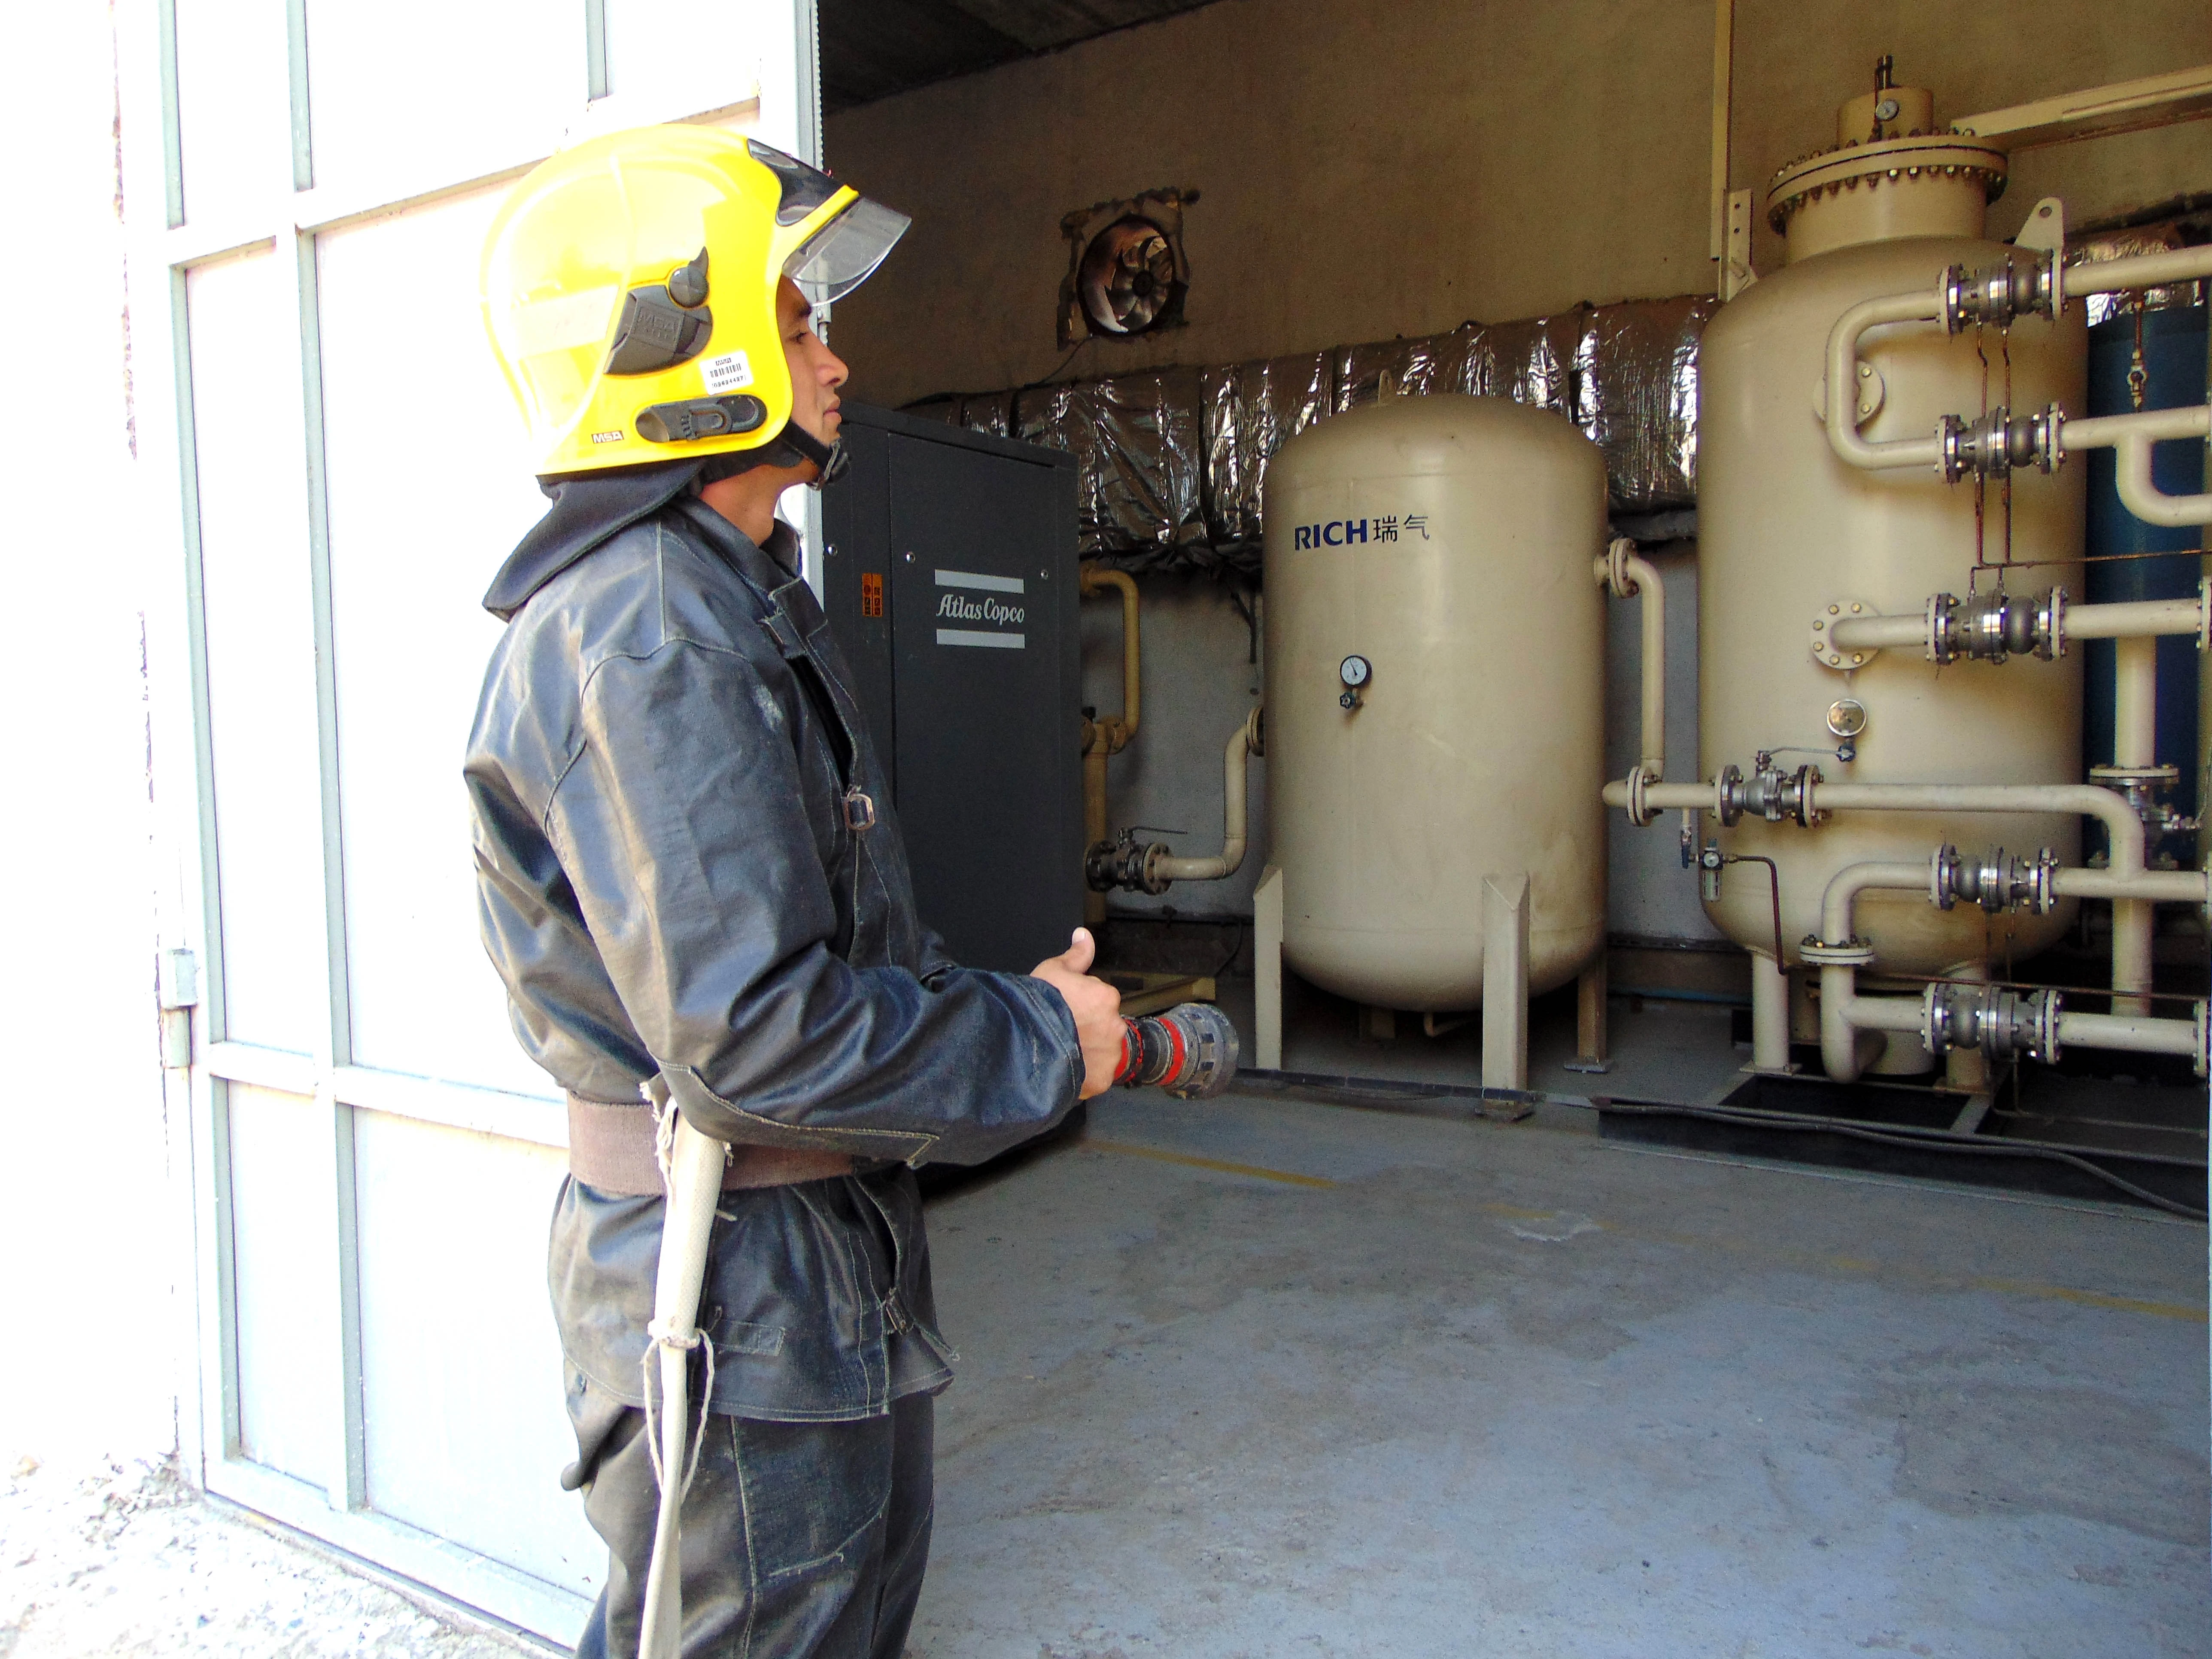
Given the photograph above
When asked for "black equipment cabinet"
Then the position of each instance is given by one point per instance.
(950, 578)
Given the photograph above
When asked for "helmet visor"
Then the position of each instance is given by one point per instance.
(841, 255)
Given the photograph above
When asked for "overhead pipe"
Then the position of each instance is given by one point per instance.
(1626, 576)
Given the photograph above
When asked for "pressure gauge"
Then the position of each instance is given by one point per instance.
(1847, 718)
(1353, 672)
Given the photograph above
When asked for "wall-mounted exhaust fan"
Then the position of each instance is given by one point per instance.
(1126, 273)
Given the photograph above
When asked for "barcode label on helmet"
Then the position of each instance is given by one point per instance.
(731, 372)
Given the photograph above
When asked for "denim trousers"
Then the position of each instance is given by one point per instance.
(801, 1540)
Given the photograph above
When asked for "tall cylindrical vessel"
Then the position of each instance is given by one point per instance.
(1786, 529)
(1446, 543)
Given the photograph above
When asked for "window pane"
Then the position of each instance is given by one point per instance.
(234, 108)
(429, 91)
(261, 656)
(284, 1252)
(461, 1380)
(430, 487)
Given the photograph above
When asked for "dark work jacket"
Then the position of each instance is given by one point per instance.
(669, 883)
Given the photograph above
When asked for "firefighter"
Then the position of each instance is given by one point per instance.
(691, 881)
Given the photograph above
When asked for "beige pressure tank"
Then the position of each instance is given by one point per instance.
(1786, 529)
(1447, 542)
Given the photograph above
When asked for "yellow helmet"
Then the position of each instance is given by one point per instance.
(629, 288)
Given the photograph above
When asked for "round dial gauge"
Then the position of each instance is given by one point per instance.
(1847, 718)
(1354, 672)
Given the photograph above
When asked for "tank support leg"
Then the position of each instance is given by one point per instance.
(1770, 1015)
(1592, 1051)
(1505, 980)
(1267, 969)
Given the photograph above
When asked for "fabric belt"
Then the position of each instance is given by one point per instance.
(610, 1147)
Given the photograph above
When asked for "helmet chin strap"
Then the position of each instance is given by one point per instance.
(790, 447)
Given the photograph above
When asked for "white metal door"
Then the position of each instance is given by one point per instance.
(374, 1161)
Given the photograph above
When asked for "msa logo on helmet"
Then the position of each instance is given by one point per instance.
(615, 437)
(1343, 533)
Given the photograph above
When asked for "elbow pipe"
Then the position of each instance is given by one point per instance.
(1844, 379)
(1626, 576)
(2109, 808)
(1164, 868)
(1851, 1024)
(1118, 729)
(2130, 437)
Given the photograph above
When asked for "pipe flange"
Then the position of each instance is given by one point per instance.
(1943, 870)
(2204, 1038)
(1936, 1024)
(1728, 795)
(1826, 652)
(2050, 625)
(2130, 778)
(1618, 552)
(1640, 811)
(2204, 615)
(1851, 953)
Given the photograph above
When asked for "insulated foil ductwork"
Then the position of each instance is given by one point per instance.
(1640, 397)
(1173, 462)
(1251, 411)
(1137, 440)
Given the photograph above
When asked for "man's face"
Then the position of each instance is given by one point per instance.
(816, 371)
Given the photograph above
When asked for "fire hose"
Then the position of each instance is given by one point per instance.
(1189, 1051)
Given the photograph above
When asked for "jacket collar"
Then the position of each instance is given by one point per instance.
(588, 509)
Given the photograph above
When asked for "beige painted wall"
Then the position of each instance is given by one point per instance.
(1369, 168)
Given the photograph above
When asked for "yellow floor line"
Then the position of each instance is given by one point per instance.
(1283, 1175)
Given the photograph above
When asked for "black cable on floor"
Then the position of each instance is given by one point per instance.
(1986, 1148)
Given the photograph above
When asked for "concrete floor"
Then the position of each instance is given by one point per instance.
(1267, 1377)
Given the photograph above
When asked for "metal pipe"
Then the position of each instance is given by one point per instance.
(1109, 734)
(2131, 438)
(1094, 581)
(1627, 576)
(2107, 807)
(2133, 1032)
(1244, 741)
(2178, 264)
(2135, 744)
(1877, 633)
(1848, 883)
(1843, 383)
(2151, 886)
(1848, 1043)
(1851, 1025)
(1770, 1014)
(2135, 729)
(2134, 619)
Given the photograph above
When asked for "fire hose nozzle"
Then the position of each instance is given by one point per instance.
(1190, 1051)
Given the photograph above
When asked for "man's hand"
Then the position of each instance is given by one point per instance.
(1096, 1005)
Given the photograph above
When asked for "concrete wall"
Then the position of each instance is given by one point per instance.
(92, 1252)
(1370, 170)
